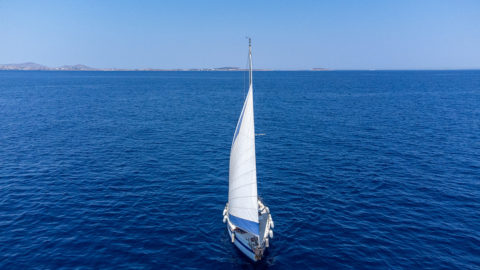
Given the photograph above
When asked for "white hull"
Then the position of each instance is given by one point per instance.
(254, 251)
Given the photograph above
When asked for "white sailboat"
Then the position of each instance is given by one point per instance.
(248, 220)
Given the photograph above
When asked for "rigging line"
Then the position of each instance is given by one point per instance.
(244, 77)
(243, 85)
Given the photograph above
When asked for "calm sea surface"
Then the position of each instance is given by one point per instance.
(372, 170)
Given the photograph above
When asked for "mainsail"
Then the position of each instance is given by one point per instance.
(242, 192)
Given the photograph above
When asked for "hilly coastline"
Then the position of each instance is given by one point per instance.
(35, 66)
(79, 67)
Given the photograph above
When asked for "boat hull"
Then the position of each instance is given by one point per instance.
(242, 239)
(243, 247)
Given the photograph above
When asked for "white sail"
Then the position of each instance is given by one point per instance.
(242, 193)
(242, 189)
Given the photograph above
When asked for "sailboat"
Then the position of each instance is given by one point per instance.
(248, 219)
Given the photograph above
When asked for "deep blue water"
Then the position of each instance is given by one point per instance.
(372, 170)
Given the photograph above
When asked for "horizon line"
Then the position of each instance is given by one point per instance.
(31, 66)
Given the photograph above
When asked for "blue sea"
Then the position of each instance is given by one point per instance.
(360, 169)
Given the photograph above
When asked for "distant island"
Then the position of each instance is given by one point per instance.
(35, 66)
(78, 67)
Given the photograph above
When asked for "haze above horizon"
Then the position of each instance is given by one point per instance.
(189, 34)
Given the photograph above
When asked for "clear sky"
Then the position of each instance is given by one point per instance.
(286, 34)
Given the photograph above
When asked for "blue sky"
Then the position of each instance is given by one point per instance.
(286, 34)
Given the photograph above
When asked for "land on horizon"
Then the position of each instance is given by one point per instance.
(80, 67)
(31, 66)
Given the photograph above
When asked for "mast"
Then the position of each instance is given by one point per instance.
(250, 62)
